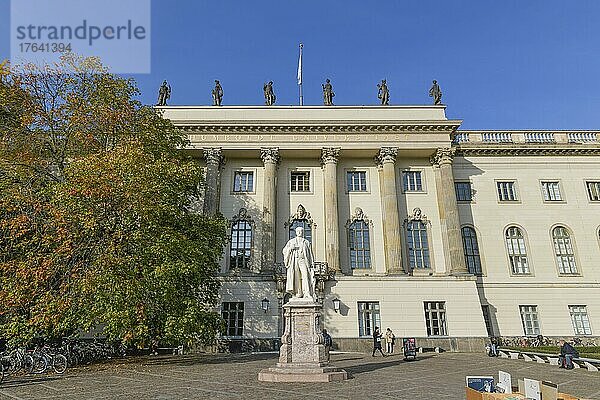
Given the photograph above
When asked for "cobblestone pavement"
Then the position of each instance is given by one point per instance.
(235, 377)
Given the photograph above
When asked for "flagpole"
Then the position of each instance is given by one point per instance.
(300, 75)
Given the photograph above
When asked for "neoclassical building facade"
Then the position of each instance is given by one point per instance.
(445, 235)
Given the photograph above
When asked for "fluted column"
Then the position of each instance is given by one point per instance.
(270, 158)
(329, 159)
(448, 210)
(391, 219)
(214, 159)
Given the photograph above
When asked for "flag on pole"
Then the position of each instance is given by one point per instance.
(300, 66)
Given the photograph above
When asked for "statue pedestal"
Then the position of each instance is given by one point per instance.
(302, 356)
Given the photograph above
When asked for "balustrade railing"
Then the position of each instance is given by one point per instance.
(530, 137)
(539, 137)
(496, 137)
(582, 137)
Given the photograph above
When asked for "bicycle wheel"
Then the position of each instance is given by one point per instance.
(28, 363)
(59, 363)
(40, 364)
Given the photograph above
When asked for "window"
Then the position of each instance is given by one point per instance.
(580, 320)
(593, 189)
(411, 181)
(304, 224)
(435, 318)
(356, 181)
(368, 317)
(471, 250)
(233, 314)
(300, 181)
(243, 181)
(463, 191)
(507, 191)
(517, 253)
(241, 244)
(487, 319)
(418, 246)
(551, 191)
(563, 249)
(529, 318)
(358, 240)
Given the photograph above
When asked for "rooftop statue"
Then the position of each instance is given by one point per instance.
(328, 94)
(299, 262)
(164, 94)
(269, 94)
(436, 93)
(383, 93)
(217, 94)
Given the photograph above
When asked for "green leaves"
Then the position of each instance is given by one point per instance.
(94, 224)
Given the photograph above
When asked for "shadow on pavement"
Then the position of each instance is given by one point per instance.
(26, 380)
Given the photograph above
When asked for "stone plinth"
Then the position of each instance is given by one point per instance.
(303, 356)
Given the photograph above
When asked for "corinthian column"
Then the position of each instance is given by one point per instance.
(329, 159)
(214, 159)
(391, 219)
(270, 158)
(448, 209)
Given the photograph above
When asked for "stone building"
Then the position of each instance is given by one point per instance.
(438, 233)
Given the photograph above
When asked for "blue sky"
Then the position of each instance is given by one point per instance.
(510, 64)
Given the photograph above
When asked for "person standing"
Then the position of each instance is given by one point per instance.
(567, 353)
(377, 341)
(389, 341)
(328, 342)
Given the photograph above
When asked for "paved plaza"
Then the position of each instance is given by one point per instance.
(235, 377)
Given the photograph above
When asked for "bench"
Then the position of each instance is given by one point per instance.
(590, 364)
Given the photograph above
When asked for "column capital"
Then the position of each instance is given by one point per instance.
(270, 155)
(387, 155)
(213, 155)
(330, 155)
(443, 155)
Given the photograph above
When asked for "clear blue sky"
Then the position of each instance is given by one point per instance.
(510, 64)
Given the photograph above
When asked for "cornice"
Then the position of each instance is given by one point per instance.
(528, 150)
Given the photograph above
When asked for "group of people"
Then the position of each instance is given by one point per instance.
(565, 359)
(389, 338)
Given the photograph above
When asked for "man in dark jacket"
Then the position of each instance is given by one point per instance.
(327, 342)
(377, 341)
(567, 353)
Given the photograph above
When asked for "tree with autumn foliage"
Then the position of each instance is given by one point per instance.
(98, 220)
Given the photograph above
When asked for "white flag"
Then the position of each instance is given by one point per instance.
(300, 66)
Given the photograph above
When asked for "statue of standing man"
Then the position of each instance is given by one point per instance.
(299, 262)
(328, 94)
(217, 94)
(383, 93)
(269, 94)
(436, 93)
(164, 94)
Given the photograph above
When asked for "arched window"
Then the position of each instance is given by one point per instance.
(471, 249)
(241, 241)
(517, 252)
(416, 239)
(359, 241)
(563, 249)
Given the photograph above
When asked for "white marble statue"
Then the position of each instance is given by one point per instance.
(299, 261)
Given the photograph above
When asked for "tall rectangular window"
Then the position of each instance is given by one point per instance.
(411, 181)
(580, 320)
(243, 181)
(233, 314)
(356, 181)
(300, 181)
(368, 317)
(529, 319)
(463, 191)
(418, 245)
(360, 249)
(593, 189)
(507, 191)
(551, 191)
(435, 318)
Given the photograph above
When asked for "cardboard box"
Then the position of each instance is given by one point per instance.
(475, 395)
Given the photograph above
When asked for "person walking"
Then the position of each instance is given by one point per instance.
(567, 353)
(377, 341)
(390, 338)
(327, 342)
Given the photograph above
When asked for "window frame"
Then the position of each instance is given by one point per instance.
(481, 269)
(573, 248)
(587, 190)
(368, 250)
(374, 319)
(349, 171)
(233, 181)
(250, 227)
(560, 191)
(310, 181)
(237, 318)
(574, 322)
(516, 191)
(428, 312)
(413, 170)
(425, 223)
(537, 319)
(527, 251)
(472, 197)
